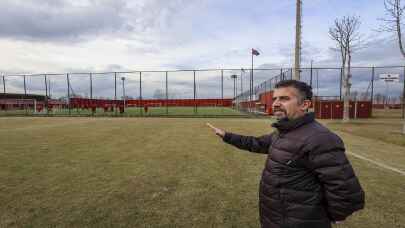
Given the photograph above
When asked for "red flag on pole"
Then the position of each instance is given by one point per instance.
(255, 52)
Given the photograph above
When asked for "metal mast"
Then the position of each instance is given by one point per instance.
(298, 27)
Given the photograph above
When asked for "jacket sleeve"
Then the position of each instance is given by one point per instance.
(342, 190)
(253, 144)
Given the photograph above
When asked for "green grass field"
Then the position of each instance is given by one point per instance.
(156, 172)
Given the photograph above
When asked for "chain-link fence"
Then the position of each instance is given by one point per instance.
(211, 92)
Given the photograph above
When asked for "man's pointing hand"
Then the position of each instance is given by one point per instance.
(219, 132)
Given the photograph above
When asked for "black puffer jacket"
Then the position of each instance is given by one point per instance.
(307, 180)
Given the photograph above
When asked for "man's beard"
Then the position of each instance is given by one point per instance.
(282, 111)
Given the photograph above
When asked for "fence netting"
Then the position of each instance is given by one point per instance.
(217, 92)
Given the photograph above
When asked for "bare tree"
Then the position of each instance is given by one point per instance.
(394, 11)
(345, 32)
(393, 21)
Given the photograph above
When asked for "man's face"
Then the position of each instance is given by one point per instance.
(286, 103)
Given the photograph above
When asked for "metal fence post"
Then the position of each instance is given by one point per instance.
(372, 88)
(140, 93)
(25, 87)
(115, 95)
(91, 85)
(340, 83)
(195, 105)
(403, 96)
(291, 73)
(250, 91)
(4, 84)
(310, 80)
(270, 84)
(115, 86)
(68, 92)
(222, 90)
(91, 93)
(49, 88)
(241, 84)
(167, 94)
(46, 94)
(25, 93)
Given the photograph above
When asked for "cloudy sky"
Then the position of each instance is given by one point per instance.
(58, 36)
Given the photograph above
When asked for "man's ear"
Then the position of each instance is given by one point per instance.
(306, 104)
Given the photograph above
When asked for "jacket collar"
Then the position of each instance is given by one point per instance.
(285, 124)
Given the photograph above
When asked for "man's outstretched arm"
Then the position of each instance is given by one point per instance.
(250, 143)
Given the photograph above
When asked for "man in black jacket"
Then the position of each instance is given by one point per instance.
(307, 182)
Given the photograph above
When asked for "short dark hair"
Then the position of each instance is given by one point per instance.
(305, 90)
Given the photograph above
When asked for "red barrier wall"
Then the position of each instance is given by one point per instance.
(364, 109)
(332, 109)
(89, 103)
(267, 99)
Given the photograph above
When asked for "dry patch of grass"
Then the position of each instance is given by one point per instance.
(386, 130)
(387, 113)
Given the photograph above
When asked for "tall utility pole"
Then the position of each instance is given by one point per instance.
(297, 66)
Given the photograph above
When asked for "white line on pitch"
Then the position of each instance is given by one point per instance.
(377, 163)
